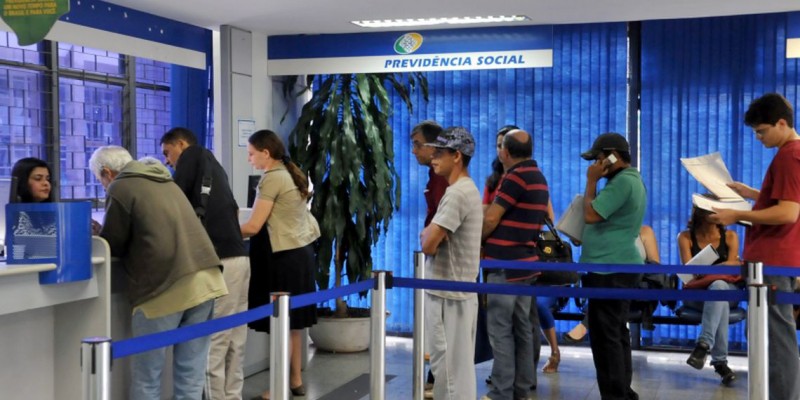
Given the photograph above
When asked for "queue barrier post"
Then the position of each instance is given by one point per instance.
(377, 345)
(96, 368)
(757, 332)
(418, 360)
(279, 347)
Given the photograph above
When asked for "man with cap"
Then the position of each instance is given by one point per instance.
(510, 223)
(452, 243)
(613, 217)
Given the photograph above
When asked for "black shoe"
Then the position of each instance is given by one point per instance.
(698, 357)
(723, 371)
(298, 391)
(489, 380)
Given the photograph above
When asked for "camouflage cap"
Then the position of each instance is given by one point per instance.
(455, 138)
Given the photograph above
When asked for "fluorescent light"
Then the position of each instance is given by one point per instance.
(388, 23)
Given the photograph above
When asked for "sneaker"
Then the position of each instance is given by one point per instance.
(698, 357)
(725, 373)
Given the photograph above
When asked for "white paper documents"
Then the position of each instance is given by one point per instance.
(707, 256)
(572, 221)
(712, 173)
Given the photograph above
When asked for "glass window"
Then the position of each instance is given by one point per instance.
(22, 127)
(152, 121)
(90, 60)
(90, 110)
(91, 116)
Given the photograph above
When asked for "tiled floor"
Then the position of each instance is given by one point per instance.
(657, 376)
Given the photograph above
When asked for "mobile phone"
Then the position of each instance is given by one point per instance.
(611, 159)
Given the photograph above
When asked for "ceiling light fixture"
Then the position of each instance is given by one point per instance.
(389, 23)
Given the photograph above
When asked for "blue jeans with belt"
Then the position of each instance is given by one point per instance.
(188, 358)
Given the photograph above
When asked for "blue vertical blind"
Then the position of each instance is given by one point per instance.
(564, 107)
(698, 78)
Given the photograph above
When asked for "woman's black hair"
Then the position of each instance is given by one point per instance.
(22, 171)
(497, 167)
(699, 216)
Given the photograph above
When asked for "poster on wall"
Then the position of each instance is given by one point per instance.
(31, 20)
(404, 51)
(246, 127)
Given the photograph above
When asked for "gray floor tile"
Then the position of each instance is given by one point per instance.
(657, 376)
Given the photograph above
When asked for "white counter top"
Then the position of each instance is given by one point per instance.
(16, 269)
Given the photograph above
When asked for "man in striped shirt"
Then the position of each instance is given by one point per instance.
(510, 225)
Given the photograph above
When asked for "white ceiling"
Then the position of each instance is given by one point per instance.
(274, 17)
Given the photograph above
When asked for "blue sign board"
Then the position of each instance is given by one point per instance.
(434, 50)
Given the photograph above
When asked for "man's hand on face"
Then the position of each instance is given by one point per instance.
(596, 171)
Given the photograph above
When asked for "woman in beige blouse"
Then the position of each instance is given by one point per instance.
(283, 259)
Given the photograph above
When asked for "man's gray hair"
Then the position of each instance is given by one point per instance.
(112, 157)
(150, 160)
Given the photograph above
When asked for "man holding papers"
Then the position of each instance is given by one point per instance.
(613, 217)
(775, 232)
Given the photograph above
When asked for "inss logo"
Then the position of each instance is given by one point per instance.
(408, 43)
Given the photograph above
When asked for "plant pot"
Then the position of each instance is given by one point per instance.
(341, 335)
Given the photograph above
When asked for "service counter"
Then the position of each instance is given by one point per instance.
(41, 327)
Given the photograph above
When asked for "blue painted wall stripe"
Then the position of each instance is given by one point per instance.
(129, 22)
(794, 25)
(434, 42)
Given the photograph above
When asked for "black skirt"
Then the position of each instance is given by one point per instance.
(284, 271)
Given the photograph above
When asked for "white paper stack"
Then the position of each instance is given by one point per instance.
(712, 173)
(707, 256)
(572, 221)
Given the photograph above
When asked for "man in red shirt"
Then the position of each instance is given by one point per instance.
(427, 132)
(775, 232)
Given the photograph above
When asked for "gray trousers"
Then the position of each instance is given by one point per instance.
(784, 364)
(224, 373)
(450, 339)
(511, 336)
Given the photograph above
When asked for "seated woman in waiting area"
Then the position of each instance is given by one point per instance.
(714, 334)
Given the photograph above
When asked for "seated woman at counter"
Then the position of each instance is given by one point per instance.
(33, 181)
(713, 337)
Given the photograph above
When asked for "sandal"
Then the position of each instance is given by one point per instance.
(551, 366)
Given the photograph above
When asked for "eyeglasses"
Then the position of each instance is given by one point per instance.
(416, 145)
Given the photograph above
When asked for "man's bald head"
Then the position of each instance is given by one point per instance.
(518, 143)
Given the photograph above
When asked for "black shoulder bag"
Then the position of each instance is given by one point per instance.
(553, 249)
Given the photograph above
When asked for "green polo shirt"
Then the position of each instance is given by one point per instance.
(621, 203)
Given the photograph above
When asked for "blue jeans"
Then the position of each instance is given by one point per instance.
(189, 358)
(714, 331)
(511, 336)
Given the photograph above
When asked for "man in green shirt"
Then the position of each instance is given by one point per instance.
(613, 217)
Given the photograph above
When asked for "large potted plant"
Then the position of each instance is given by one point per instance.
(343, 140)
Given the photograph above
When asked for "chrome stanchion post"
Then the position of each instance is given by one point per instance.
(96, 368)
(377, 344)
(279, 347)
(418, 370)
(757, 331)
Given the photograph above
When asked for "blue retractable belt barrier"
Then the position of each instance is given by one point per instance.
(559, 291)
(141, 344)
